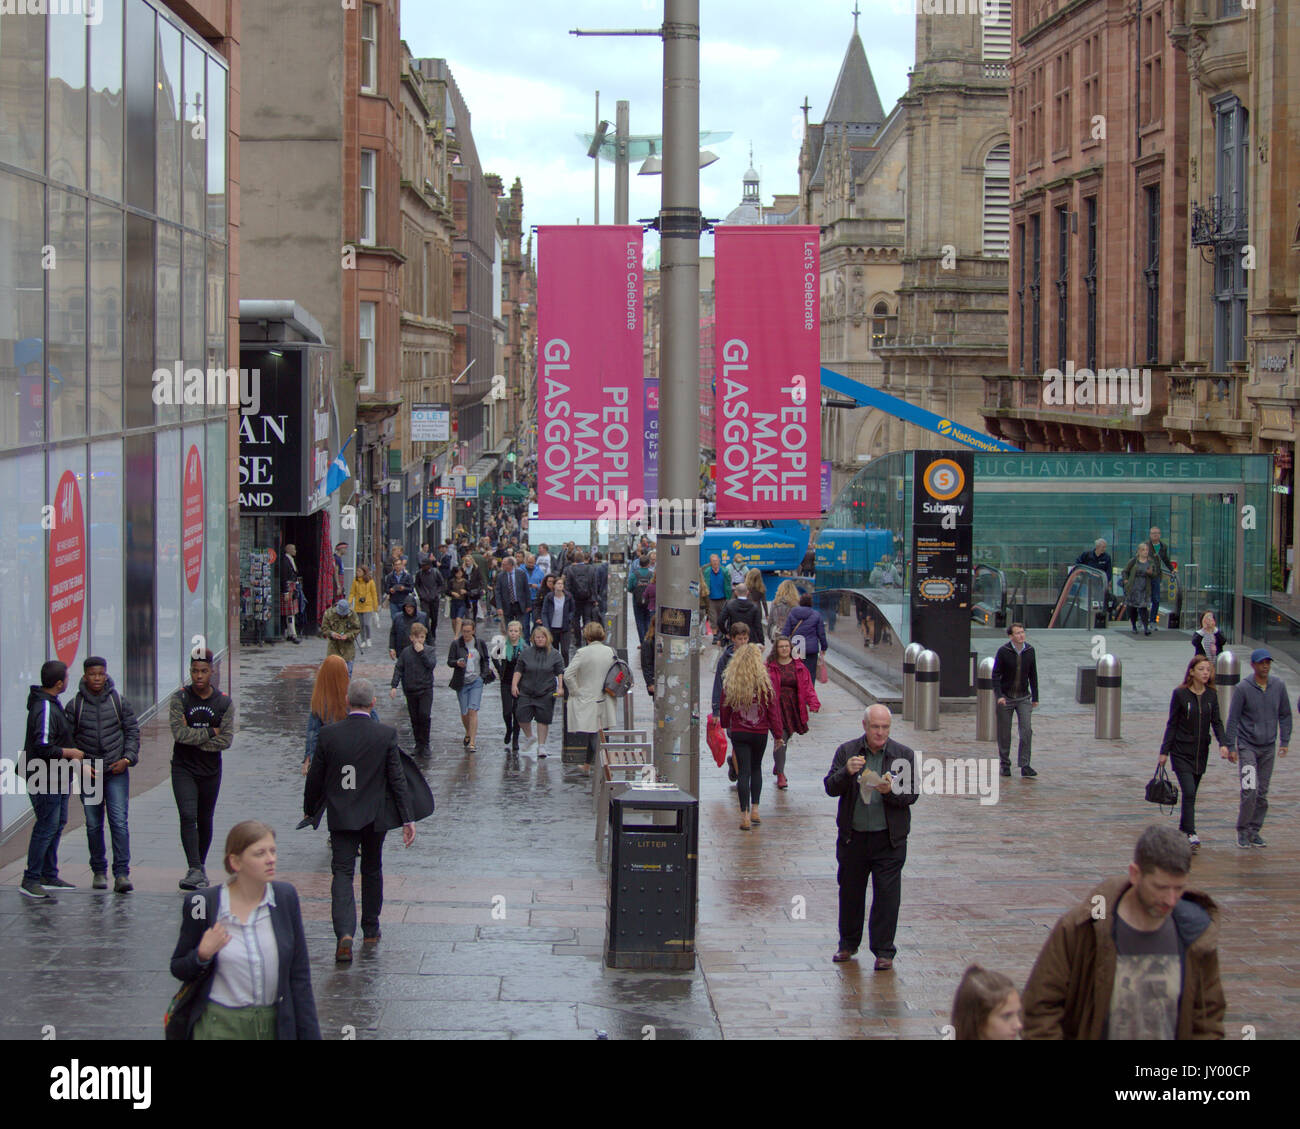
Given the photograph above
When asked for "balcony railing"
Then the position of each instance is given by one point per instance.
(1207, 402)
(1216, 222)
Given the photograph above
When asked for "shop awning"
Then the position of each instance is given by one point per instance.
(514, 491)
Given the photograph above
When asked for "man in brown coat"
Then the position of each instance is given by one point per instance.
(1137, 959)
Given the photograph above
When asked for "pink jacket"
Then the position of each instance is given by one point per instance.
(807, 691)
(754, 718)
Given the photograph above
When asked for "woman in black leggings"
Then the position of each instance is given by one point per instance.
(750, 711)
(202, 723)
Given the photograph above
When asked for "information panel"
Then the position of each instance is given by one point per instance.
(943, 496)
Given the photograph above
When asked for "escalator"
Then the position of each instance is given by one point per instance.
(1277, 628)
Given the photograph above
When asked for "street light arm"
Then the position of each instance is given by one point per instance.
(658, 32)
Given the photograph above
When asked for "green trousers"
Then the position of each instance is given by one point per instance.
(243, 1023)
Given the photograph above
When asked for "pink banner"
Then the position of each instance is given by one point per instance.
(589, 370)
(768, 365)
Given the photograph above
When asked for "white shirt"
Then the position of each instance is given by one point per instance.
(248, 968)
(557, 616)
(544, 563)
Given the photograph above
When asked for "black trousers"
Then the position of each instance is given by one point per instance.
(430, 608)
(343, 904)
(419, 704)
(748, 748)
(869, 855)
(508, 715)
(1188, 783)
(196, 800)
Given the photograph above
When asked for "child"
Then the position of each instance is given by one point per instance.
(413, 671)
(987, 1006)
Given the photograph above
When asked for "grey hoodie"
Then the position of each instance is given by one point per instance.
(1256, 716)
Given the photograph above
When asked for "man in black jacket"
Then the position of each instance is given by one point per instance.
(399, 635)
(1015, 680)
(399, 584)
(741, 609)
(600, 567)
(355, 766)
(105, 729)
(48, 744)
(873, 818)
(580, 583)
(429, 587)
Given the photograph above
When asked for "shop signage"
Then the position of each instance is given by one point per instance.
(192, 519)
(768, 341)
(430, 423)
(67, 568)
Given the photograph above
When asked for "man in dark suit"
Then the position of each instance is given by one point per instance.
(873, 822)
(601, 568)
(513, 598)
(355, 766)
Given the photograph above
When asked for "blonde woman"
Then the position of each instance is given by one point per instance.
(750, 711)
(365, 601)
(783, 603)
(590, 709)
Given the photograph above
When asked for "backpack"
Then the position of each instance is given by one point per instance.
(618, 680)
(640, 586)
(580, 576)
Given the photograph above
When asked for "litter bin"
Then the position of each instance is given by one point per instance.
(653, 876)
(909, 680)
(1085, 685)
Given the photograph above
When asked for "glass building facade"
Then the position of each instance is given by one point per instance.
(1036, 513)
(113, 265)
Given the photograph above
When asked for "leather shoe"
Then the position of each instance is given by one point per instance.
(843, 955)
(1027, 771)
(343, 954)
(884, 964)
(373, 939)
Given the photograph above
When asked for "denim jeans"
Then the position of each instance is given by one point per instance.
(43, 849)
(117, 790)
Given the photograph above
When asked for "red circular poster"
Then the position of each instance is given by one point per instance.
(67, 568)
(192, 518)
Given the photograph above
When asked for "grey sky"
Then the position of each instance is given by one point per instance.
(530, 86)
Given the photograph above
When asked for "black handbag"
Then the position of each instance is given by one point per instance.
(1161, 790)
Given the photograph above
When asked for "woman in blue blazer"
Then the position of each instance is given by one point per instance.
(244, 942)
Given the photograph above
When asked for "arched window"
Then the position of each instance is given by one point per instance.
(997, 202)
(884, 325)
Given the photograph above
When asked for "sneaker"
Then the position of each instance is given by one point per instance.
(193, 879)
(1257, 840)
(1243, 840)
(343, 951)
(99, 881)
(33, 889)
(56, 883)
(781, 781)
(1194, 841)
(122, 884)
(1027, 771)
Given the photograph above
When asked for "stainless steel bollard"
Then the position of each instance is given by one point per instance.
(1227, 673)
(909, 680)
(1109, 685)
(926, 693)
(986, 703)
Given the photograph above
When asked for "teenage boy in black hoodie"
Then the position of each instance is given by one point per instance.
(104, 726)
(202, 721)
(413, 671)
(49, 741)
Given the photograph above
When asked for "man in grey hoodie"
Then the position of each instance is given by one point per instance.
(1259, 712)
(106, 730)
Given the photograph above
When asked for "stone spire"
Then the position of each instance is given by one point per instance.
(855, 100)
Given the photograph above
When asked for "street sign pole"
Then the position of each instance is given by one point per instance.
(676, 732)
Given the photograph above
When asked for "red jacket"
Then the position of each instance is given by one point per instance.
(755, 718)
(807, 692)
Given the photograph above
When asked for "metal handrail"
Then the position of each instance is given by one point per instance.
(1068, 588)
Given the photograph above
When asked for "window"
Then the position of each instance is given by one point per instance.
(1090, 282)
(1019, 113)
(1062, 285)
(1090, 96)
(366, 355)
(424, 279)
(369, 47)
(997, 202)
(1036, 116)
(367, 196)
(1020, 300)
(996, 27)
(1061, 115)
(1152, 273)
(1035, 292)
(1152, 96)
(883, 325)
(1229, 8)
(1230, 286)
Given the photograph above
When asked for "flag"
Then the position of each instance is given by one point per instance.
(339, 472)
